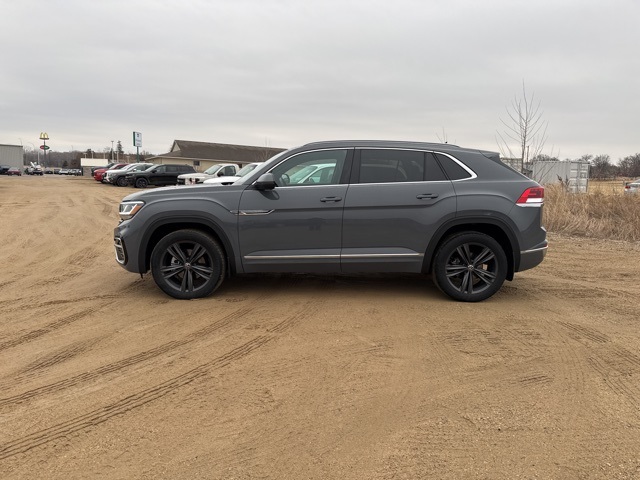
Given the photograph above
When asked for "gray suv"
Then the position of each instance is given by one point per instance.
(367, 206)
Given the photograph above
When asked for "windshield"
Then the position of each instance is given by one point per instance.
(212, 169)
(131, 166)
(246, 169)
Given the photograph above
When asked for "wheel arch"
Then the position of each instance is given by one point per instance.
(165, 226)
(493, 227)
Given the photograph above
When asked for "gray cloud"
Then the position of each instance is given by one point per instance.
(287, 72)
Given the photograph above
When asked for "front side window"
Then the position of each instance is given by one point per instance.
(311, 168)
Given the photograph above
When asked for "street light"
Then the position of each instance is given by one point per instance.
(112, 150)
(44, 137)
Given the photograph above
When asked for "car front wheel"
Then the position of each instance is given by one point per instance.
(470, 267)
(121, 182)
(188, 264)
(142, 183)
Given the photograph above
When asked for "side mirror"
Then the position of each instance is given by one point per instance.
(265, 182)
(220, 173)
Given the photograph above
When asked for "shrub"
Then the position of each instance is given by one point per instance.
(601, 214)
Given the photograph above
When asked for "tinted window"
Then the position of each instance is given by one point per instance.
(434, 172)
(384, 166)
(452, 169)
(312, 168)
(172, 169)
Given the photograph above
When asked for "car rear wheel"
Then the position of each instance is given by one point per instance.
(188, 264)
(142, 183)
(470, 267)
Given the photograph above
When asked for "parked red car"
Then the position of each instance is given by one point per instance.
(99, 173)
(14, 171)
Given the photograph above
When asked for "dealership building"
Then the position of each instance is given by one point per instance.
(12, 156)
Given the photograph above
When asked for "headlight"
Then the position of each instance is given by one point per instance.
(129, 209)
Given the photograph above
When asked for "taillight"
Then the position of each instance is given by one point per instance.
(531, 197)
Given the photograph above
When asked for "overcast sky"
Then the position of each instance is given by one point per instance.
(283, 73)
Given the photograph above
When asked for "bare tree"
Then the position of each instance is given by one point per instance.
(601, 167)
(444, 138)
(630, 166)
(525, 131)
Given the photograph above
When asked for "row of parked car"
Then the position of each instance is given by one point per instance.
(142, 175)
(9, 170)
(38, 170)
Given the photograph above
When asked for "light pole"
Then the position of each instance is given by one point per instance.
(112, 150)
(44, 137)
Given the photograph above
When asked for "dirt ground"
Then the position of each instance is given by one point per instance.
(305, 377)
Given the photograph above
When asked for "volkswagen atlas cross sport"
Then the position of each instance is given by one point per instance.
(459, 214)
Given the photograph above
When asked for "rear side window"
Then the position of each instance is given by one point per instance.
(434, 172)
(451, 168)
(387, 166)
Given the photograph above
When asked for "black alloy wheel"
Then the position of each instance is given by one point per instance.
(470, 267)
(188, 264)
(142, 182)
(121, 181)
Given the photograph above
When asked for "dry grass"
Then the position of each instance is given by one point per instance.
(607, 187)
(602, 213)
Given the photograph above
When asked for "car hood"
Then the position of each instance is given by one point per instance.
(163, 193)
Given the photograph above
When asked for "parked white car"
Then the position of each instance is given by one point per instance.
(248, 168)
(215, 171)
(632, 187)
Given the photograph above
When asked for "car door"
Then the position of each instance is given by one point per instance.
(296, 226)
(395, 202)
(156, 175)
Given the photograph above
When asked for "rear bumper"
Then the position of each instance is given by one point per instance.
(533, 257)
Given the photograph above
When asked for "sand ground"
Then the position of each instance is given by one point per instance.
(298, 376)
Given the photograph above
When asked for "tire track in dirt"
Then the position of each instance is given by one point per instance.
(616, 366)
(55, 358)
(136, 400)
(142, 356)
(33, 334)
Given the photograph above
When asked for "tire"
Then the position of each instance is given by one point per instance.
(121, 182)
(142, 183)
(470, 267)
(188, 264)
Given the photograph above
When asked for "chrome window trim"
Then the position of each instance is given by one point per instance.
(462, 165)
(301, 153)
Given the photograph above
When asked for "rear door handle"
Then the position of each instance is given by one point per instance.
(331, 199)
(424, 196)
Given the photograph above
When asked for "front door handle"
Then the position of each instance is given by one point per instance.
(424, 196)
(331, 199)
